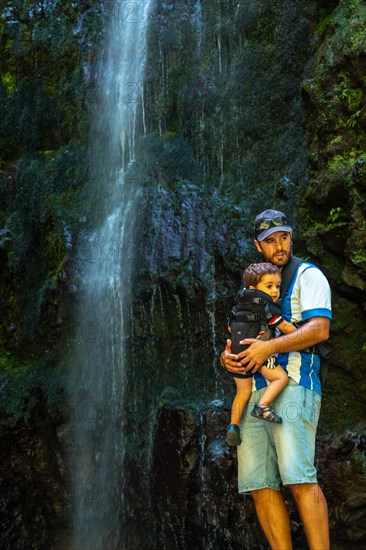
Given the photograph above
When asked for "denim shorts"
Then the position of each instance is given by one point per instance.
(271, 454)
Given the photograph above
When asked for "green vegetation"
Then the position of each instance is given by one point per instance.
(332, 208)
(245, 108)
(223, 131)
(27, 387)
(45, 83)
(242, 123)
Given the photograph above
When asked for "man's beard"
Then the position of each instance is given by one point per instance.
(281, 262)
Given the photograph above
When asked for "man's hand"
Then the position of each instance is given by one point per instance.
(315, 330)
(230, 362)
(256, 354)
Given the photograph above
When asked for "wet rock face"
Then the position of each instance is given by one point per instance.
(177, 245)
(225, 136)
(197, 240)
(342, 467)
(33, 494)
(188, 494)
(194, 485)
(194, 482)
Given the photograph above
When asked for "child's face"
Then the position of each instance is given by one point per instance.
(270, 284)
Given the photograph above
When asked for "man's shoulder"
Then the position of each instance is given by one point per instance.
(309, 271)
(300, 265)
(313, 289)
(302, 273)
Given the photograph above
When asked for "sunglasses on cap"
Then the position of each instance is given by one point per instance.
(266, 223)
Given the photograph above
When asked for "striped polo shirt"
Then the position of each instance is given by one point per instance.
(308, 296)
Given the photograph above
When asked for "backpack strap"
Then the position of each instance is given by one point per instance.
(288, 274)
(242, 318)
(252, 296)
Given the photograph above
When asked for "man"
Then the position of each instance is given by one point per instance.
(275, 453)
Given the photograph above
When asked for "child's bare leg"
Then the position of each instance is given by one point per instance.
(278, 381)
(243, 393)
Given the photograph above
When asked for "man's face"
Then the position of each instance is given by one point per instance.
(276, 248)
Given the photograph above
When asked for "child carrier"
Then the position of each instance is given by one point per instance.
(253, 313)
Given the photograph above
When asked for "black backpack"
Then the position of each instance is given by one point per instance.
(249, 316)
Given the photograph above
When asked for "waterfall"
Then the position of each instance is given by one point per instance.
(103, 271)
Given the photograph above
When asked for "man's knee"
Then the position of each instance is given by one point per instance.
(261, 496)
(312, 490)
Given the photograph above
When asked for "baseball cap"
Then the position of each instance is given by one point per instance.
(269, 222)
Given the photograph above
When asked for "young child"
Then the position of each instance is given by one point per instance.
(264, 277)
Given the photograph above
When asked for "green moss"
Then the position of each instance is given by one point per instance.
(333, 265)
(28, 386)
(343, 162)
(332, 205)
(335, 219)
(335, 215)
(339, 408)
(358, 253)
(9, 363)
(350, 337)
(341, 405)
(9, 80)
(57, 255)
(349, 22)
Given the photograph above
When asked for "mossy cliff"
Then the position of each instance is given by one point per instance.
(247, 105)
(265, 117)
(46, 92)
(333, 207)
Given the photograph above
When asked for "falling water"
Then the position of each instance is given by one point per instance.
(103, 271)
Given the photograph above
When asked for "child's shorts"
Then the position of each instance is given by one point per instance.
(271, 363)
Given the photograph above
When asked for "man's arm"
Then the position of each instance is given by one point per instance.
(314, 331)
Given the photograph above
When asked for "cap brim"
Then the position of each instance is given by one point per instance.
(271, 230)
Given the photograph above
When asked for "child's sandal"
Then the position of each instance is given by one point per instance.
(258, 412)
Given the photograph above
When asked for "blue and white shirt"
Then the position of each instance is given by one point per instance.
(308, 296)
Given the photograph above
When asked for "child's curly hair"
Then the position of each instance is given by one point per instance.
(254, 272)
